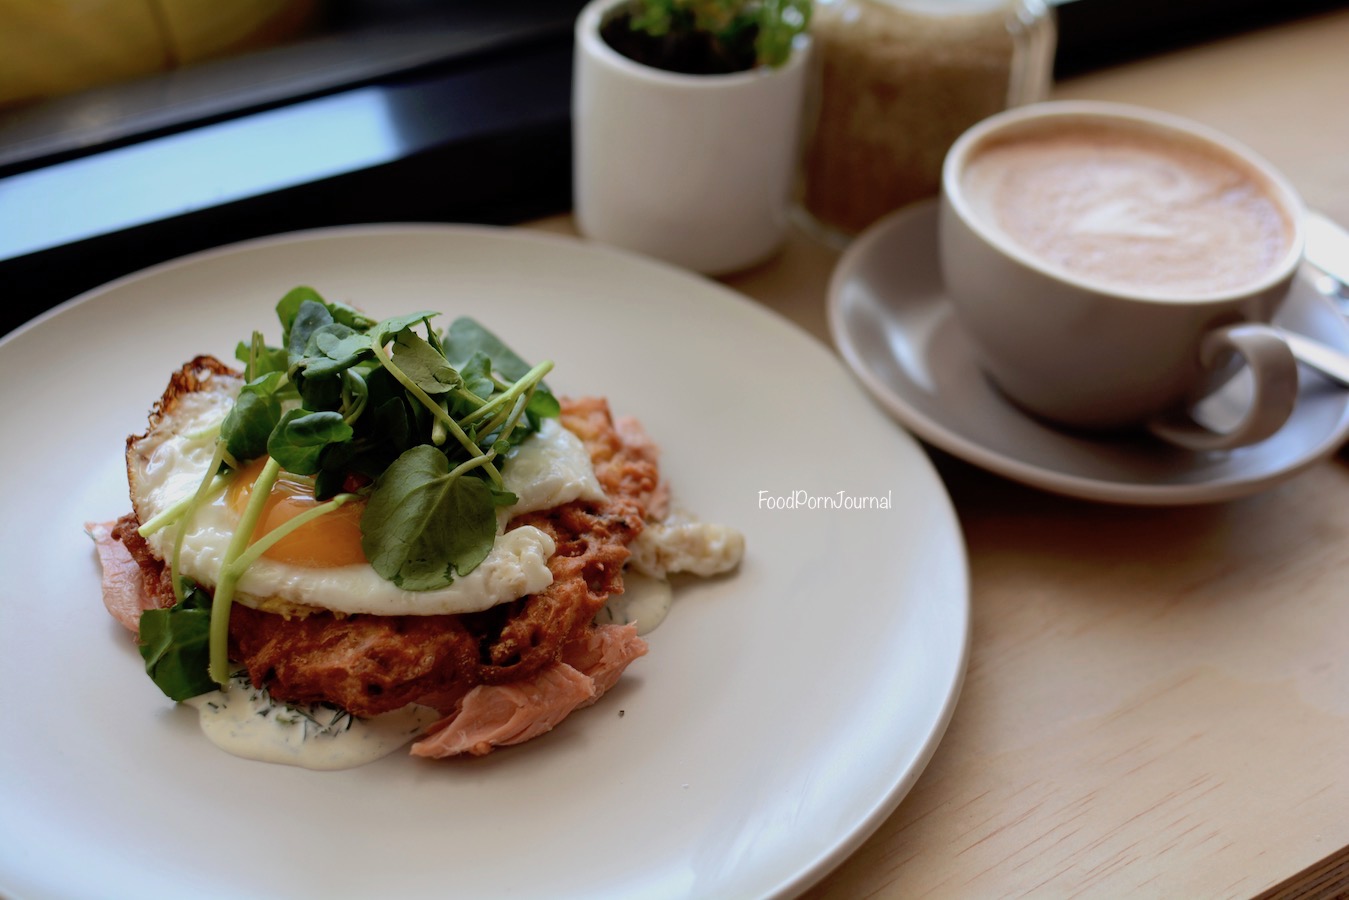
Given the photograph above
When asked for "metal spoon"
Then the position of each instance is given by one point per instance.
(1327, 249)
(1332, 363)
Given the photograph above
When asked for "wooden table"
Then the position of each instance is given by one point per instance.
(1157, 701)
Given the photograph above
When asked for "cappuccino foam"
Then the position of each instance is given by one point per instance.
(1129, 209)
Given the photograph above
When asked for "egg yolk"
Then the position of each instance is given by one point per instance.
(333, 539)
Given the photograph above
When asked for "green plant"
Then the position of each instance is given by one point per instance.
(768, 26)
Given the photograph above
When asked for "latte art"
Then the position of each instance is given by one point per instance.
(1130, 210)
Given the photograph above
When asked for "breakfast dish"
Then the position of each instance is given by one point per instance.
(895, 328)
(392, 530)
(677, 783)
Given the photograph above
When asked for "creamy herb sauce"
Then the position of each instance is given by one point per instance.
(246, 721)
(645, 602)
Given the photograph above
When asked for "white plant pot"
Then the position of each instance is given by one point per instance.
(697, 170)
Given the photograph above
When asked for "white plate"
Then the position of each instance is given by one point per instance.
(892, 323)
(779, 718)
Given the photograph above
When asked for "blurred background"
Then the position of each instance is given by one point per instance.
(134, 131)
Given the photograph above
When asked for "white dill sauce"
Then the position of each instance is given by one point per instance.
(245, 721)
(645, 602)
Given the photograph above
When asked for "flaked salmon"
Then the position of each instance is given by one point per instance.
(498, 715)
(603, 653)
(126, 592)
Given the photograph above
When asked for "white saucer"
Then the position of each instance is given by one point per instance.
(892, 323)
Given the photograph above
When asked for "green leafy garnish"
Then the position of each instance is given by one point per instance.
(466, 338)
(424, 364)
(299, 439)
(425, 522)
(174, 644)
(255, 414)
(417, 423)
(258, 358)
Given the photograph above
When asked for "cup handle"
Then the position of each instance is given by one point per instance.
(1274, 372)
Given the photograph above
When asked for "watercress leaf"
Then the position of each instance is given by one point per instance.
(288, 307)
(311, 316)
(334, 465)
(393, 423)
(332, 348)
(467, 337)
(340, 341)
(502, 497)
(391, 327)
(544, 405)
(381, 384)
(433, 338)
(368, 463)
(423, 364)
(421, 526)
(258, 358)
(422, 422)
(301, 437)
(174, 643)
(250, 421)
(319, 393)
(348, 315)
(477, 375)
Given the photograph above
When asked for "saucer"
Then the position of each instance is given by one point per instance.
(894, 326)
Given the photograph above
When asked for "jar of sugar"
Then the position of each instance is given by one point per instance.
(899, 81)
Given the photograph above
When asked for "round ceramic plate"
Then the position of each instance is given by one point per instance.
(781, 713)
(895, 328)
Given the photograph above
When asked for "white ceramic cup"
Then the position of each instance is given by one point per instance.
(696, 170)
(1103, 353)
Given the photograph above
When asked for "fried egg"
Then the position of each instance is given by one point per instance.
(321, 564)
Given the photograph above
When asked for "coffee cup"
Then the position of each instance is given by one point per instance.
(1112, 266)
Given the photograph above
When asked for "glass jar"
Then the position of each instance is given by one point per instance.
(899, 81)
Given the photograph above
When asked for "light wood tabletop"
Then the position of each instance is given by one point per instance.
(1157, 699)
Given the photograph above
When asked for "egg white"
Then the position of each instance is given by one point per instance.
(169, 463)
